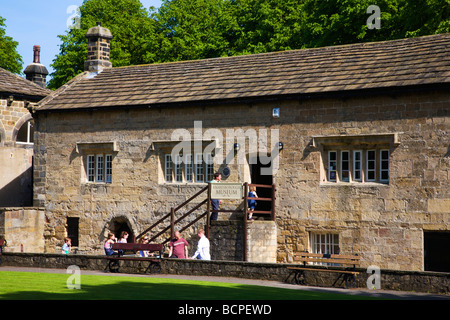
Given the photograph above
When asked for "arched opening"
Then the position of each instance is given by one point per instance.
(119, 224)
(26, 132)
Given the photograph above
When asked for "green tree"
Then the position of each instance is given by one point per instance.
(333, 22)
(419, 18)
(10, 59)
(197, 29)
(192, 29)
(266, 25)
(128, 21)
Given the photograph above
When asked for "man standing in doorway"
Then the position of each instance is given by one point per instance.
(215, 202)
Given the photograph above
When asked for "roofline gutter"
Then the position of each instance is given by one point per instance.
(32, 98)
(347, 94)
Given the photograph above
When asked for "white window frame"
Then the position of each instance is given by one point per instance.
(99, 168)
(168, 168)
(381, 165)
(90, 168)
(364, 165)
(194, 170)
(355, 169)
(324, 243)
(198, 165)
(335, 166)
(108, 168)
(374, 170)
(341, 169)
(29, 125)
(188, 168)
(209, 167)
(178, 166)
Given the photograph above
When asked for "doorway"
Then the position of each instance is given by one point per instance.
(120, 224)
(436, 244)
(261, 173)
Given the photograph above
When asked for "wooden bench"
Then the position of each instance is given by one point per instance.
(154, 262)
(348, 275)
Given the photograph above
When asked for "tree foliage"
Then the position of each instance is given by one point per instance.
(130, 25)
(196, 29)
(10, 59)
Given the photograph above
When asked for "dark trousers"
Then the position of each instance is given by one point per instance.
(215, 206)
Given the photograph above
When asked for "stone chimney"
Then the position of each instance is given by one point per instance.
(36, 72)
(98, 49)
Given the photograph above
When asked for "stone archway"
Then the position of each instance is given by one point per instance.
(121, 223)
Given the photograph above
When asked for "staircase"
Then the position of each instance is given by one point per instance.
(169, 219)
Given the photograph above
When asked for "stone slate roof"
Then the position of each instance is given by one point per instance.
(376, 65)
(11, 84)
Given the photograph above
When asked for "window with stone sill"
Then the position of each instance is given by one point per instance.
(188, 168)
(356, 159)
(99, 168)
(356, 166)
(97, 161)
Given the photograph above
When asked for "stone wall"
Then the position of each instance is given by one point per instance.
(23, 228)
(227, 238)
(382, 222)
(390, 279)
(16, 159)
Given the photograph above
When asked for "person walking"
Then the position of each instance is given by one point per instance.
(203, 247)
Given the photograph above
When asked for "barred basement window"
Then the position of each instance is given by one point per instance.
(324, 243)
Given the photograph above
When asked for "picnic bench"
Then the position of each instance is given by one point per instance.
(154, 262)
(2, 245)
(330, 261)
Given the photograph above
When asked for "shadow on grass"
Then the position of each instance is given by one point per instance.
(132, 290)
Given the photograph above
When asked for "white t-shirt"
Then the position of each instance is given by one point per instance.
(202, 249)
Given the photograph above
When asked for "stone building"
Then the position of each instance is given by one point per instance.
(357, 135)
(21, 224)
(16, 133)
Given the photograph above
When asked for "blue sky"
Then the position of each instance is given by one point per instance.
(39, 23)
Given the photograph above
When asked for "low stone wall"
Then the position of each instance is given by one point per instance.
(227, 241)
(431, 282)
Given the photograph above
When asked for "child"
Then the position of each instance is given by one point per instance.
(66, 246)
(252, 202)
(123, 237)
(108, 244)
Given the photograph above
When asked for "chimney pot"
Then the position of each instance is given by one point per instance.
(37, 54)
(36, 72)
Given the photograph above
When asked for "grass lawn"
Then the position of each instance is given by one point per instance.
(53, 286)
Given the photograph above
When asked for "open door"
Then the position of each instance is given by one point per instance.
(259, 176)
